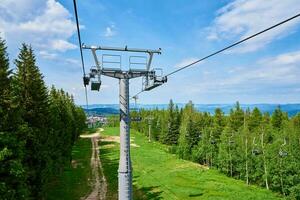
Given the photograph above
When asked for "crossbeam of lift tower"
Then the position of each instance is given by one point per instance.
(151, 80)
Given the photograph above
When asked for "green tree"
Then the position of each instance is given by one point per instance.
(172, 134)
(37, 129)
(255, 119)
(31, 91)
(186, 131)
(236, 117)
(219, 122)
(224, 156)
(192, 136)
(278, 118)
(12, 173)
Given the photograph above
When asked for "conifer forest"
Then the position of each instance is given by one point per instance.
(38, 127)
(149, 100)
(258, 148)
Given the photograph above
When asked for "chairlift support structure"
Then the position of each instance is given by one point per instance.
(138, 118)
(152, 81)
(135, 98)
(149, 118)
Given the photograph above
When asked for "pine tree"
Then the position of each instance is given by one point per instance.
(12, 174)
(224, 157)
(255, 119)
(30, 89)
(176, 125)
(246, 135)
(236, 118)
(205, 152)
(172, 134)
(37, 130)
(218, 123)
(295, 149)
(192, 133)
(277, 118)
(5, 83)
(171, 119)
(184, 147)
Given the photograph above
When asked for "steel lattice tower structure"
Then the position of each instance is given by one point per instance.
(151, 81)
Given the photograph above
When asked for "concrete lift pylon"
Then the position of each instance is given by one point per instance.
(152, 81)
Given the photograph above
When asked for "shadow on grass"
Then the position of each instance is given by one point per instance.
(143, 193)
(195, 195)
(74, 181)
(109, 157)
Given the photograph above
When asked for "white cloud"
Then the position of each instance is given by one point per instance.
(110, 31)
(62, 45)
(21, 10)
(47, 55)
(47, 25)
(274, 74)
(72, 61)
(292, 58)
(185, 62)
(75, 63)
(242, 18)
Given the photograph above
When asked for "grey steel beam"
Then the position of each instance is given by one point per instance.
(123, 74)
(158, 51)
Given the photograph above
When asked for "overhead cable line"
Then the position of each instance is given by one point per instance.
(81, 54)
(230, 46)
(137, 94)
(234, 44)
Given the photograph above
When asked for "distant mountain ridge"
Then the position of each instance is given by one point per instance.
(107, 109)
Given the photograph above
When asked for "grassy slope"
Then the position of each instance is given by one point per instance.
(160, 175)
(74, 182)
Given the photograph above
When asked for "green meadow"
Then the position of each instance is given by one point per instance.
(75, 181)
(158, 174)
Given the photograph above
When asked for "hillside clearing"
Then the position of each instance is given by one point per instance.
(74, 182)
(161, 175)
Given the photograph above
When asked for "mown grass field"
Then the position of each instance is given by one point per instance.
(158, 174)
(74, 182)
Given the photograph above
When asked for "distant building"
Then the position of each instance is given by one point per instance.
(96, 120)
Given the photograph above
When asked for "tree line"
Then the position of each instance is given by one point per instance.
(256, 147)
(38, 127)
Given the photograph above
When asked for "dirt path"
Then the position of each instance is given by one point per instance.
(99, 183)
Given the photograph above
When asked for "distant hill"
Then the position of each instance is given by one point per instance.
(102, 111)
(108, 109)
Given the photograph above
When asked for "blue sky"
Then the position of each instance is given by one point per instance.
(264, 70)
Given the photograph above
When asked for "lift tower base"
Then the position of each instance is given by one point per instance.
(125, 168)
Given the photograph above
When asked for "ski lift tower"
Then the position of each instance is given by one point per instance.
(151, 80)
